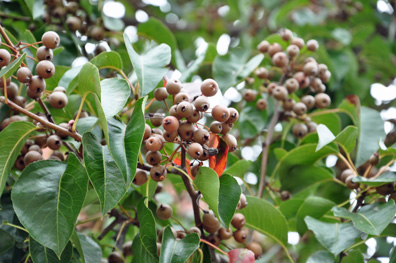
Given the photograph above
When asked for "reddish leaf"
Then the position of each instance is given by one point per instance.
(218, 162)
(177, 161)
(241, 255)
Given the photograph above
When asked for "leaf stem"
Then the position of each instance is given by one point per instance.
(266, 146)
(177, 221)
(383, 169)
(15, 226)
(79, 112)
(201, 256)
(350, 165)
(88, 220)
(123, 75)
(215, 247)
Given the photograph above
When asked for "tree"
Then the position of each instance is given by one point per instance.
(150, 143)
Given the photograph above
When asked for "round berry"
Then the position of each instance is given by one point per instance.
(240, 236)
(299, 42)
(50, 39)
(37, 84)
(303, 81)
(216, 127)
(44, 53)
(54, 142)
(12, 90)
(97, 33)
(231, 142)
(59, 89)
(292, 51)
(291, 85)
(310, 69)
(5, 57)
(154, 144)
(164, 212)
(249, 95)
(173, 86)
(158, 173)
(181, 97)
(274, 48)
(255, 248)
(280, 93)
(300, 130)
(20, 163)
(195, 150)
(234, 115)
(195, 229)
(156, 119)
(300, 108)
(288, 104)
(170, 124)
(309, 101)
(32, 156)
(286, 34)
(238, 221)
(186, 131)
(147, 132)
(24, 74)
(322, 100)
(225, 233)
(214, 239)
(263, 46)
(184, 109)
(262, 73)
(153, 158)
(161, 94)
(201, 103)
(45, 69)
(261, 104)
(220, 113)
(73, 23)
(209, 87)
(226, 127)
(350, 184)
(285, 195)
(201, 136)
(140, 177)
(170, 136)
(195, 116)
(312, 45)
(58, 100)
(280, 59)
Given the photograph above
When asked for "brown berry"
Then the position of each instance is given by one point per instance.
(300, 130)
(140, 177)
(322, 100)
(158, 173)
(309, 101)
(263, 46)
(256, 248)
(161, 94)
(220, 113)
(238, 220)
(54, 142)
(5, 57)
(50, 39)
(164, 212)
(249, 95)
(216, 127)
(240, 236)
(195, 150)
(231, 142)
(173, 86)
(45, 69)
(201, 103)
(58, 100)
(292, 51)
(312, 45)
(300, 108)
(24, 74)
(209, 87)
(280, 59)
(32, 156)
(44, 53)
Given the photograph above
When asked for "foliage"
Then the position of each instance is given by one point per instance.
(91, 188)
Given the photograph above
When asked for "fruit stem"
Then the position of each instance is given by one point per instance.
(4, 34)
(213, 246)
(350, 166)
(48, 124)
(266, 146)
(177, 221)
(382, 169)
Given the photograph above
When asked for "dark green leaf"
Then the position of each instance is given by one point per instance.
(325, 136)
(35, 7)
(371, 131)
(321, 257)
(314, 207)
(7, 241)
(69, 80)
(232, 68)
(331, 120)
(41, 254)
(148, 234)
(103, 172)
(49, 216)
(265, 218)
(177, 251)
(140, 254)
(334, 237)
(114, 95)
(107, 59)
(354, 256)
(154, 29)
(11, 68)
(228, 202)
(92, 252)
(347, 138)
(371, 219)
(89, 80)
(239, 168)
(149, 67)
(208, 183)
(12, 139)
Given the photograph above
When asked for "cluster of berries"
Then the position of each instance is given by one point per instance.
(300, 88)
(181, 127)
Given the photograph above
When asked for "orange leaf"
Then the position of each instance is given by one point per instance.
(177, 161)
(219, 161)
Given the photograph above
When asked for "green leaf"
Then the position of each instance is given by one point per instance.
(325, 136)
(12, 139)
(154, 29)
(354, 256)
(7, 241)
(148, 234)
(41, 254)
(69, 80)
(11, 68)
(177, 251)
(108, 59)
(103, 172)
(371, 219)
(384, 178)
(263, 217)
(208, 183)
(347, 138)
(314, 207)
(91, 251)
(149, 67)
(113, 24)
(233, 67)
(334, 237)
(299, 161)
(239, 169)
(35, 7)
(331, 120)
(89, 80)
(140, 254)
(114, 95)
(371, 131)
(321, 257)
(228, 202)
(188, 73)
(50, 216)
(351, 106)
